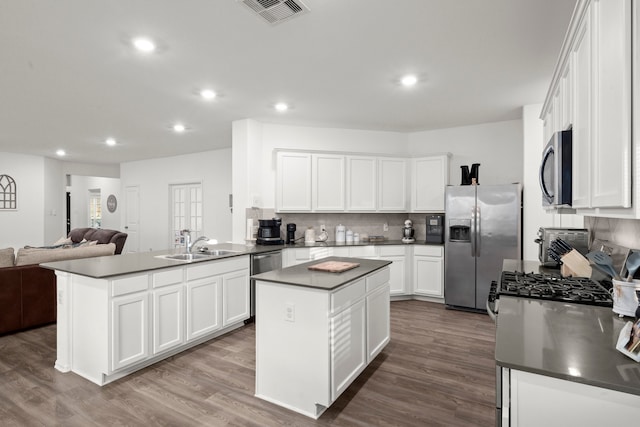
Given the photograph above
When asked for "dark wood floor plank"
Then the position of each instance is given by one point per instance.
(438, 370)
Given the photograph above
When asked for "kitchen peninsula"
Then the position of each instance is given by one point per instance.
(316, 331)
(121, 313)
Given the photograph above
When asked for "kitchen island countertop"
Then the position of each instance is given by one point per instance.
(300, 275)
(569, 341)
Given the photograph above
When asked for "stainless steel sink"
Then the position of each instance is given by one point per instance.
(198, 256)
(217, 252)
(186, 257)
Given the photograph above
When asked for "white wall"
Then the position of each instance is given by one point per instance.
(254, 158)
(79, 189)
(25, 225)
(153, 177)
(496, 146)
(55, 206)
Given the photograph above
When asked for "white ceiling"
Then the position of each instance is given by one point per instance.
(69, 78)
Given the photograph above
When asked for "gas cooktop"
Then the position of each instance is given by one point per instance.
(554, 287)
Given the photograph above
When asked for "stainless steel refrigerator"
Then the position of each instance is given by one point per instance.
(484, 224)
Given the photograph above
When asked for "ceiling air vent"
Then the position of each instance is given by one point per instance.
(276, 11)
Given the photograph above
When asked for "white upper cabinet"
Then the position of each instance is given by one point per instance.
(341, 182)
(361, 183)
(580, 64)
(592, 92)
(293, 182)
(392, 184)
(328, 183)
(429, 177)
(611, 148)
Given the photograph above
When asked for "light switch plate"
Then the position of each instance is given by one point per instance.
(290, 312)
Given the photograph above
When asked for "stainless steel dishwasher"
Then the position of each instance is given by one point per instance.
(261, 263)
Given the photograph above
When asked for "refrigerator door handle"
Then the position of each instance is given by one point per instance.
(478, 233)
(473, 232)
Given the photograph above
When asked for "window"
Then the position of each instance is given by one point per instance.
(186, 211)
(95, 209)
(8, 193)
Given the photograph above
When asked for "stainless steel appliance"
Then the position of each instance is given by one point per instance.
(261, 263)
(483, 228)
(556, 169)
(578, 238)
(435, 229)
(269, 232)
(407, 232)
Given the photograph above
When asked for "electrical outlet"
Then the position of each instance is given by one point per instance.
(385, 227)
(290, 312)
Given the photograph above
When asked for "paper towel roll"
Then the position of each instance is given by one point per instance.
(249, 229)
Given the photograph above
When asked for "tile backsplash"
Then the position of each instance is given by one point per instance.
(369, 223)
(623, 232)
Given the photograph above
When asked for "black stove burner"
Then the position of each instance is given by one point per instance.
(554, 287)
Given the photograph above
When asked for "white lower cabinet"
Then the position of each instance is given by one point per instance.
(399, 281)
(428, 271)
(565, 403)
(235, 303)
(203, 302)
(311, 344)
(130, 329)
(168, 318)
(348, 346)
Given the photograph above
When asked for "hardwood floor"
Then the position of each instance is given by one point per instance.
(438, 370)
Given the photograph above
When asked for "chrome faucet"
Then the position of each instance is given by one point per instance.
(199, 239)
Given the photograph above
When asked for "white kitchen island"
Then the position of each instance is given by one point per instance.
(121, 313)
(317, 331)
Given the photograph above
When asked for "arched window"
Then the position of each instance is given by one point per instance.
(7, 192)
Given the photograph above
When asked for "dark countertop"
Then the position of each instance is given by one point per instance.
(300, 275)
(333, 244)
(574, 342)
(117, 265)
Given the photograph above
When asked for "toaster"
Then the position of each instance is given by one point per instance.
(578, 238)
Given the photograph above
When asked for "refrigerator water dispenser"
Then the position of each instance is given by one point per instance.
(460, 230)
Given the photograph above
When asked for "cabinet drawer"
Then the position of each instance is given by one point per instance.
(377, 280)
(128, 285)
(167, 277)
(214, 268)
(348, 295)
(392, 250)
(364, 251)
(428, 250)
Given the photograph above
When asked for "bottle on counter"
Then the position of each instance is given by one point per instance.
(349, 236)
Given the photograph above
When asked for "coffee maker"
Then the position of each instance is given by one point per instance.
(291, 234)
(435, 228)
(269, 232)
(407, 232)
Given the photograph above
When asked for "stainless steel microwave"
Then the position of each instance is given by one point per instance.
(555, 170)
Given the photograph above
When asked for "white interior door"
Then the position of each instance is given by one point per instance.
(132, 219)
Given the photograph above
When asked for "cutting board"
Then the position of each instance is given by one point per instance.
(334, 266)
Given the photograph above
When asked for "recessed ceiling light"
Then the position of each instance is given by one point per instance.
(179, 128)
(207, 94)
(409, 80)
(281, 106)
(60, 153)
(110, 142)
(144, 44)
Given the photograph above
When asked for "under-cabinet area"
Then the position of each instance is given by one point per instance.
(110, 327)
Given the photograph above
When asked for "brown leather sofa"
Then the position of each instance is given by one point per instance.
(28, 292)
(102, 235)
